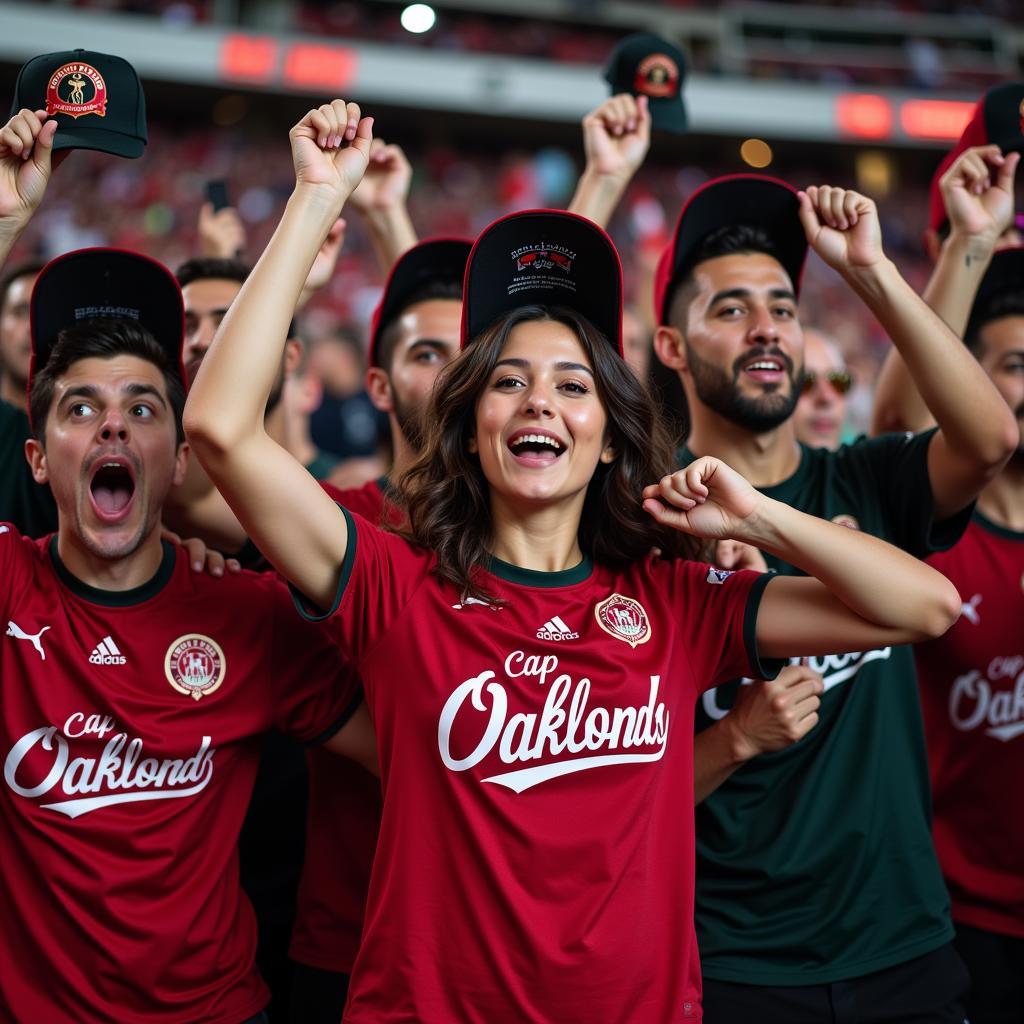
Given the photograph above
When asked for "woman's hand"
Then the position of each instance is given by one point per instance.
(330, 149)
(706, 499)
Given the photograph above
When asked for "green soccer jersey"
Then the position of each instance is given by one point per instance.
(815, 864)
(23, 502)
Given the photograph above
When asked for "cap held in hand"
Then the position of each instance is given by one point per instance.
(998, 119)
(647, 65)
(95, 98)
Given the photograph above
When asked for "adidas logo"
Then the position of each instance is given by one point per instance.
(556, 629)
(106, 653)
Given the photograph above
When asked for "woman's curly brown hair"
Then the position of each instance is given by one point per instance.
(447, 496)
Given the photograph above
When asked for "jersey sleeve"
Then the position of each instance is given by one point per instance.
(16, 557)
(379, 576)
(896, 467)
(717, 610)
(315, 689)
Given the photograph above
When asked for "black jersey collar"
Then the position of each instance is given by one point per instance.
(115, 598)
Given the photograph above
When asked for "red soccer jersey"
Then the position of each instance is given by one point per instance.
(130, 729)
(342, 825)
(972, 694)
(535, 860)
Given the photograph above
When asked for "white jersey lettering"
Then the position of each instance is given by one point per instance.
(565, 725)
(121, 774)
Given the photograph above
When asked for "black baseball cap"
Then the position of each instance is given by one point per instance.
(545, 258)
(100, 284)
(432, 260)
(1005, 276)
(751, 199)
(95, 98)
(647, 65)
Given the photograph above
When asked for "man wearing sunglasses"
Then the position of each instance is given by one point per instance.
(821, 411)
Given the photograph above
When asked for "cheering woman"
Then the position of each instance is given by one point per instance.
(530, 666)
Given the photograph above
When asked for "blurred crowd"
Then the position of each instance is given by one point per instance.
(884, 53)
(152, 206)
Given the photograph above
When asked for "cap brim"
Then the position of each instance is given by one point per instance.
(750, 199)
(545, 258)
(669, 115)
(100, 139)
(96, 284)
(436, 259)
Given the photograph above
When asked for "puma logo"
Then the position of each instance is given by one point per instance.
(13, 629)
(970, 610)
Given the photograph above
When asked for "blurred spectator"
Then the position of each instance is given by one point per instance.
(346, 424)
(821, 410)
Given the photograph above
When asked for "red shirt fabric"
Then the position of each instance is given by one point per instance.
(342, 823)
(536, 851)
(972, 693)
(130, 729)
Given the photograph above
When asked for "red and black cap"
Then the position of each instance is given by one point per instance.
(750, 199)
(998, 119)
(101, 284)
(435, 260)
(647, 65)
(1005, 276)
(544, 258)
(96, 99)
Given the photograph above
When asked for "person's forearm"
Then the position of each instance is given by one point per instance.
(9, 235)
(954, 282)
(228, 400)
(716, 755)
(875, 580)
(950, 293)
(966, 405)
(391, 234)
(597, 196)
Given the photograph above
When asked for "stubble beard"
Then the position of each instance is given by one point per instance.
(720, 392)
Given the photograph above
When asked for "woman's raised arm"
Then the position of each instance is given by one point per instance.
(862, 592)
(281, 507)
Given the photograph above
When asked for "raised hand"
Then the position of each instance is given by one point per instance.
(617, 136)
(706, 499)
(330, 149)
(386, 182)
(221, 234)
(977, 190)
(26, 150)
(842, 227)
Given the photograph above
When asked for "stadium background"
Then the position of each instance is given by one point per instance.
(487, 104)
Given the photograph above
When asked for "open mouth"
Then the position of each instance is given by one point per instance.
(112, 488)
(766, 369)
(535, 448)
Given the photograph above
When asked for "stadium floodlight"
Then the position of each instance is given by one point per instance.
(418, 18)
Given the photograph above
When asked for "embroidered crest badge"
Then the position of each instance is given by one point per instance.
(195, 665)
(624, 618)
(76, 89)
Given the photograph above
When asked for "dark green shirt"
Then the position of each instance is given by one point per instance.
(815, 864)
(30, 506)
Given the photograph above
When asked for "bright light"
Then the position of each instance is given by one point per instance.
(418, 18)
(756, 153)
(864, 115)
(876, 173)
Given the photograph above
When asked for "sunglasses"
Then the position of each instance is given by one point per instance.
(839, 380)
